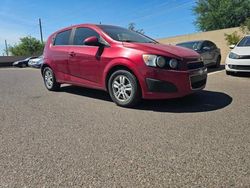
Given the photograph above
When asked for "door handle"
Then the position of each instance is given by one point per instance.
(72, 54)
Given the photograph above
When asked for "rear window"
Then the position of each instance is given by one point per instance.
(62, 38)
(245, 42)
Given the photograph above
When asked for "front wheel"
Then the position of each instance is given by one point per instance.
(50, 80)
(124, 89)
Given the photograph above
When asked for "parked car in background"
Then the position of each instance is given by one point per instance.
(207, 49)
(36, 62)
(238, 60)
(128, 65)
(23, 63)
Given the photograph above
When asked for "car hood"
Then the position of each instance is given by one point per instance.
(162, 49)
(241, 50)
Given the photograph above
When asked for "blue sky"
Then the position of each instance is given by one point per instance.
(158, 18)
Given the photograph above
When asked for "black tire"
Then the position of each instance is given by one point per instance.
(50, 80)
(128, 89)
(229, 73)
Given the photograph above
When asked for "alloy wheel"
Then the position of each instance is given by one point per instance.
(122, 88)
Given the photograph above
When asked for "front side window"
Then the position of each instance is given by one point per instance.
(83, 33)
(62, 38)
(244, 42)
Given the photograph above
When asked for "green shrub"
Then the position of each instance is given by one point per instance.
(233, 38)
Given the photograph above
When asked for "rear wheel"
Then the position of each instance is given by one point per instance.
(50, 80)
(124, 89)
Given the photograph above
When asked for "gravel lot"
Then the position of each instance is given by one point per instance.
(79, 138)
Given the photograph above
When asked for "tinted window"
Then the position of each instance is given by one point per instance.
(245, 41)
(62, 38)
(191, 45)
(125, 35)
(82, 33)
(211, 45)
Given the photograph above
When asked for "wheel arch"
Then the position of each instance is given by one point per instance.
(120, 66)
(43, 67)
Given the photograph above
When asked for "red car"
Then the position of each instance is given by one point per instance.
(126, 64)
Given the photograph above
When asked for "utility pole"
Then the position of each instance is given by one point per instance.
(6, 48)
(41, 31)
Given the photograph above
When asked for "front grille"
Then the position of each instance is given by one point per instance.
(245, 57)
(198, 81)
(198, 84)
(240, 67)
(195, 65)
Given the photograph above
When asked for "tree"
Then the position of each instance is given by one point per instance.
(131, 26)
(220, 14)
(28, 46)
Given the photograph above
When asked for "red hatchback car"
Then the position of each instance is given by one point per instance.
(128, 65)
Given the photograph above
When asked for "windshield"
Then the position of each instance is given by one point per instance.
(244, 42)
(125, 35)
(196, 45)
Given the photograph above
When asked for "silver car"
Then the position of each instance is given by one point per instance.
(208, 50)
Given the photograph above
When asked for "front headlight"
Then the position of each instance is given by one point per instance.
(160, 61)
(173, 63)
(234, 55)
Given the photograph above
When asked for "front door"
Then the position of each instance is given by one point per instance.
(84, 64)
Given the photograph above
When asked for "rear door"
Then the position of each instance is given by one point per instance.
(60, 54)
(207, 52)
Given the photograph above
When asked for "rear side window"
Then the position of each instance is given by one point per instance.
(62, 38)
(82, 33)
(211, 45)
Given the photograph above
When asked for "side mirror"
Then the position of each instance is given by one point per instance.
(205, 48)
(91, 41)
(232, 46)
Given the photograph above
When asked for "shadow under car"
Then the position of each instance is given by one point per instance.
(202, 101)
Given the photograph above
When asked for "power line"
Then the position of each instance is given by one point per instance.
(161, 12)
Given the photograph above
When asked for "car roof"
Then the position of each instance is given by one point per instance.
(87, 25)
(83, 25)
(192, 41)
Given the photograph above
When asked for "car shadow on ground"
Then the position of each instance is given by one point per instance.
(211, 69)
(202, 101)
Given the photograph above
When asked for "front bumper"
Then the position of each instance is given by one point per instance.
(237, 65)
(164, 84)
